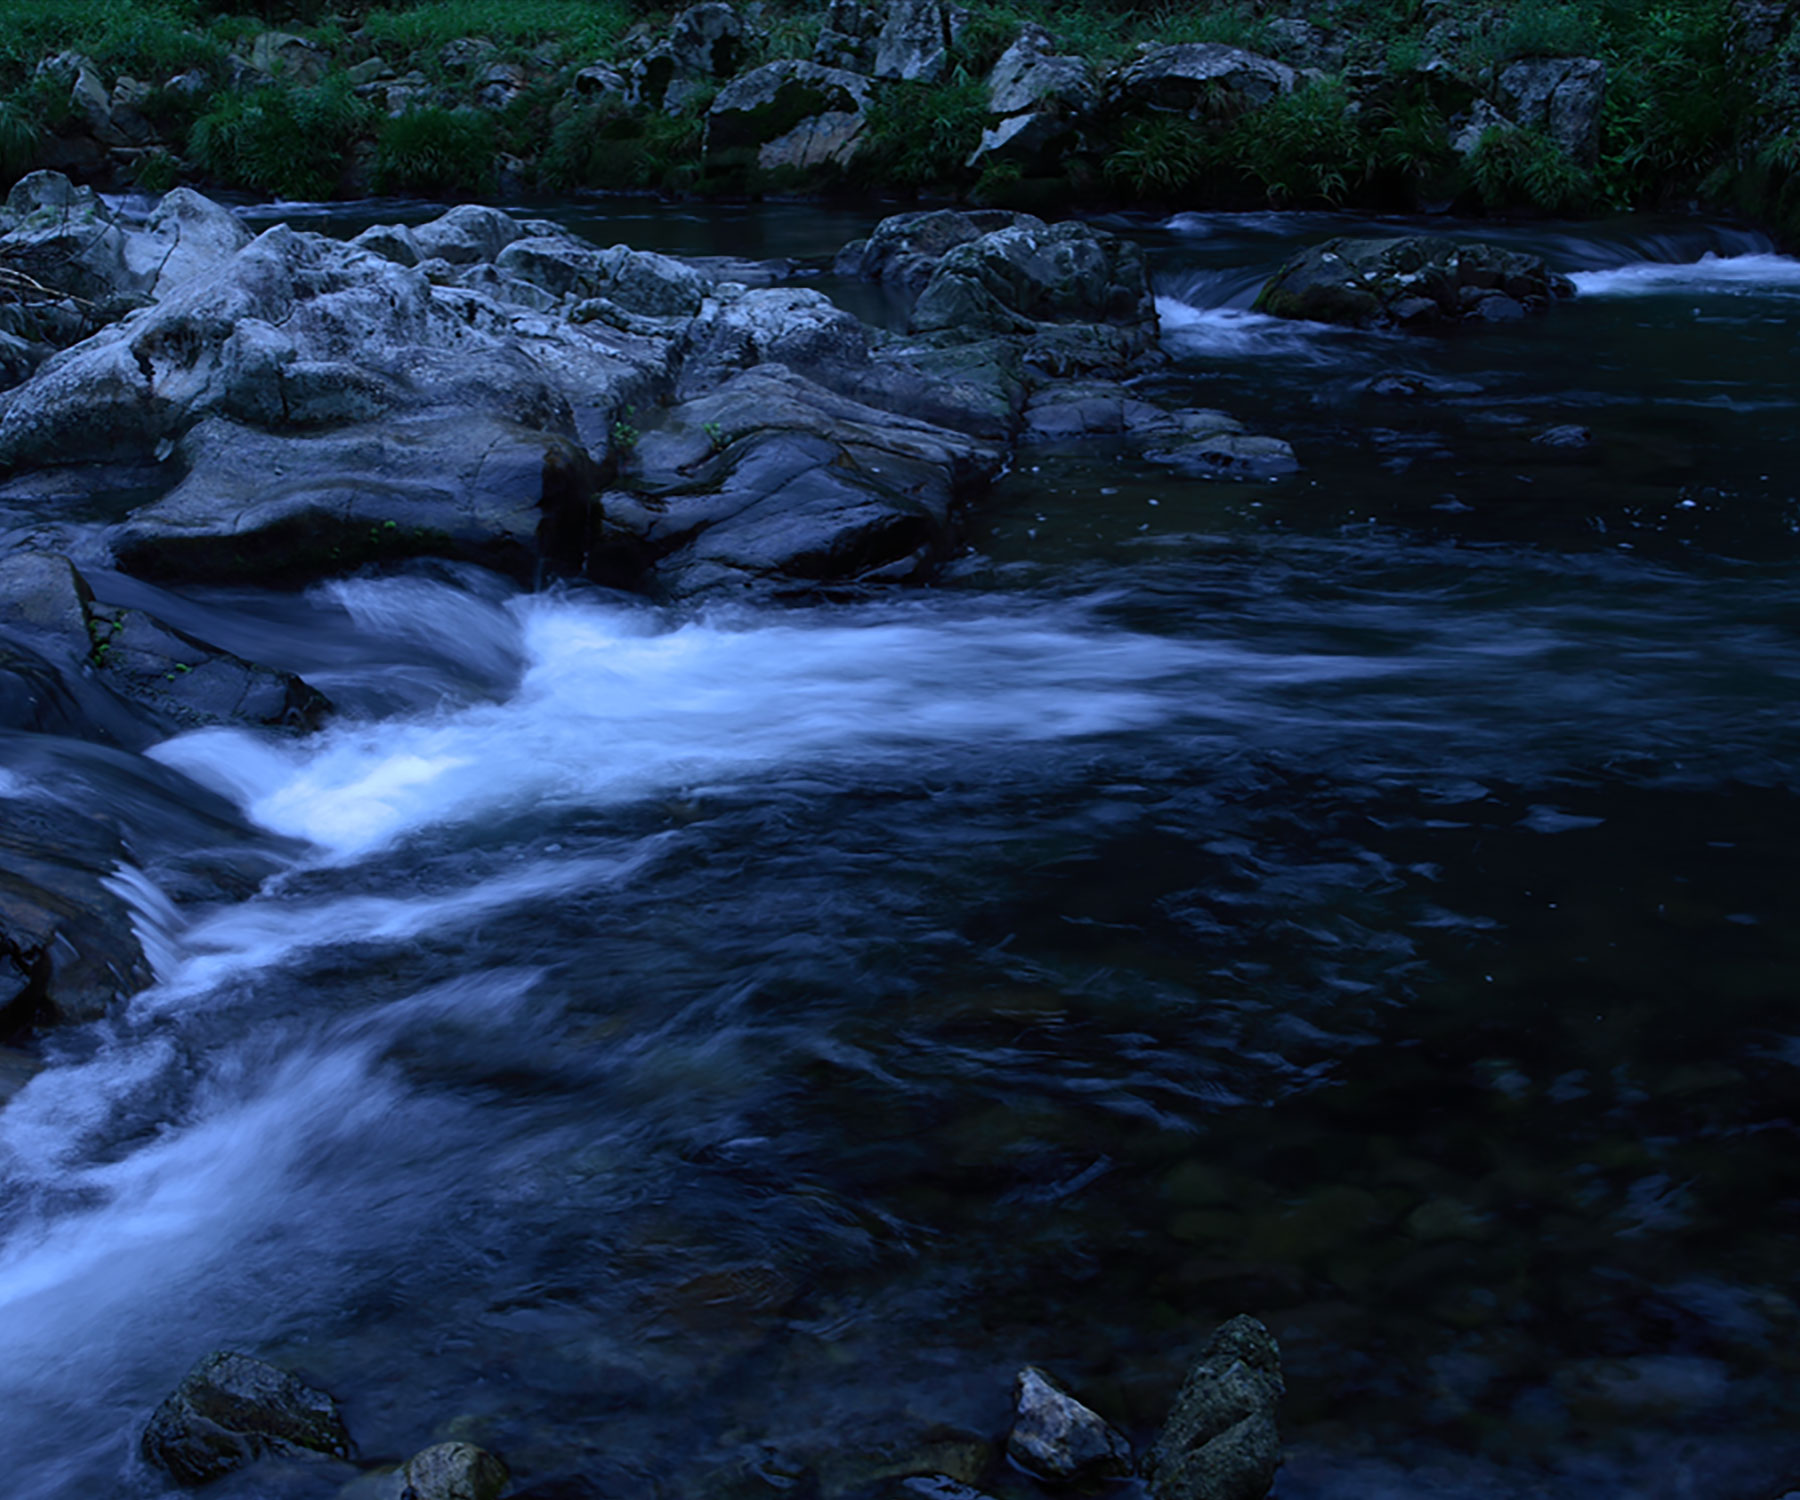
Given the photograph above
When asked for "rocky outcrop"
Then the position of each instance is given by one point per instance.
(231, 1410)
(1411, 282)
(1561, 96)
(1202, 80)
(788, 114)
(1198, 442)
(1060, 1441)
(847, 36)
(1221, 1442)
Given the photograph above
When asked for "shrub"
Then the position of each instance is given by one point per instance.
(1158, 155)
(18, 141)
(1303, 148)
(1526, 169)
(435, 152)
(1673, 98)
(289, 142)
(585, 28)
(922, 134)
(611, 148)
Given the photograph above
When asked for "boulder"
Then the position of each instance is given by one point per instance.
(773, 482)
(1059, 1440)
(600, 82)
(1078, 294)
(231, 1410)
(1032, 76)
(453, 1471)
(281, 54)
(917, 41)
(847, 36)
(466, 234)
(1409, 282)
(905, 249)
(1221, 1442)
(705, 43)
(640, 281)
(465, 53)
(498, 84)
(1201, 443)
(1202, 80)
(1466, 131)
(465, 484)
(788, 114)
(1561, 96)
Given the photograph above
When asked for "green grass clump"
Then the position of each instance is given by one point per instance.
(148, 39)
(435, 152)
(18, 142)
(610, 148)
(922, 134)
(1512, 169)
(1675, 98)
(288, 142)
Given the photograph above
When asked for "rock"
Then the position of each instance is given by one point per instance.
(1059, 1440)
(1569, 435)
(1202, 80)
(917, 40)
(1561, 96)
(187, 236)
(1078, 294)
(705, 43)
(788, 114)
(1221, 1442)
(1202, 443)
(599, 82)
(905, 249)
(231, 1410)
(464, 53)
(466, 234)
(43, 593)
(640, 281)
(794, 326)
(499, 84)
(281, 54)
(1416, 280)
(1482, 117)
(774, 482)
(194, 83)
(847, 37)
(453, 1471)
(467, 484)
(1031, 75)
(393, 242)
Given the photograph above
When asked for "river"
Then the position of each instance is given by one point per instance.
(706, 1054)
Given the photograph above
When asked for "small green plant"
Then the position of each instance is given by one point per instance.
(435, 152)
(715, 436)
(624, 435)
(157, 173)
(1159, 155)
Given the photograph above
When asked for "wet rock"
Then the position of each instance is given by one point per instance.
(917, 41)
(1202, 443)
(1568, 435)
(1561, 96)
(789, 114)
(640, 281)
(16, 1068)
(260, 505)
(1221, 1442)
(1202, 80)
(453, 1471)
(231, 1410)
(1059, 1440)
(905, 249)
(1410, 282)
(1078, 294)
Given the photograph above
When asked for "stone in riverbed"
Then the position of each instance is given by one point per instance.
(1410, 281)
(230, 1410)
(1059, 1440)
(1220, 1442)
(453, 1471)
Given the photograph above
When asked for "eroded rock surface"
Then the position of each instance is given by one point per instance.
(1221, 1442)
(230, 1410)
(1058, 1439)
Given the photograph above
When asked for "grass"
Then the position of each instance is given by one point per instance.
(291, 143)
(435, 152)
(922, 135)
(584, 29)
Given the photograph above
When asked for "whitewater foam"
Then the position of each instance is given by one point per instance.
(1761, 273)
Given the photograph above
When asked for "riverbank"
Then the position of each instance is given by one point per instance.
(1539, 108)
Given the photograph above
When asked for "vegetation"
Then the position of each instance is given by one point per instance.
(1684, 114)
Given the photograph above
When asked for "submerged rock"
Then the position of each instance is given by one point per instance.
(1409, 282)
(1058, 1439)
(453, 1471)
(231, 1410)
(1221, 1442)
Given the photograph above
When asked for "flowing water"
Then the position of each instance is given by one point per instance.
(706, 1053)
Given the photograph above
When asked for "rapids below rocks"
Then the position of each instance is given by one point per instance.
(707, 1048)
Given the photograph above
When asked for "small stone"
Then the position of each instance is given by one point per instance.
(1220, 1442)
(1058, 1439)
(454, 1471)
(1566, 436)
(230, 1410)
